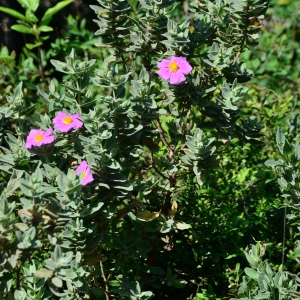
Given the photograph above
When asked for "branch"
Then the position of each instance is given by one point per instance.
(101, 289)
(155, 168)
(163, 138)
(106, 291)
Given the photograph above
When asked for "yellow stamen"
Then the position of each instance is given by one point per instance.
(173, 66)
(39, 137)
(68, 120)
(191, 28)
(84, 175)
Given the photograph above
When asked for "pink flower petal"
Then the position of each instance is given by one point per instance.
(164, 64)
(82, 167)
(61, 126)
(177, 78)
(48, 132)
(164, 73)
(87, 179)
(48, 138)
(177, 59)
(185, 68)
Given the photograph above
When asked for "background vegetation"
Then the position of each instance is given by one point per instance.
(240, 203)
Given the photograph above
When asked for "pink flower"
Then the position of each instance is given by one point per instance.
(174, 69)
(65, 122)
(38, 137)
(86, 170)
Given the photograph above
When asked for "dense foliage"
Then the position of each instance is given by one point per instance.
(138, 162)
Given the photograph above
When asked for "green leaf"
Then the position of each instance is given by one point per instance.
(20, 294)
(26, 187)
(251, 273)
(146, 216)
(13, 13)
(5, 207)
(178, 283)
(32, 46)
(282, 182)
(30, 234)
(27, 110)
(61, 66)
(63, 182)
(167, 226)
(18, 91)
(278, 279)
(57, 254)
(91, 208)
(53, 10)
(273, 163)
(297, 151)
(262, 296)
(145, 5)
(280, 140)
(30, 4)
(251, 260)
(57, 282)
(21, 226)
(135, 288)
(66, 185)
(30, 16)
(34, 4)
(45, 28)
(22, 29)
(14, 182)
(263, 282)
(145, 295)
(182, 225)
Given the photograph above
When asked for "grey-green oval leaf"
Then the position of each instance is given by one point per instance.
(251, 273)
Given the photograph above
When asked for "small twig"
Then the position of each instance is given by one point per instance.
(242, 46)
(18, 279)
(100, 288)
(188, 125)
(104, 277)
(283, 241)
(40, 57)
(162, 136)
(165, 209)
(155, 168)
(124, 63)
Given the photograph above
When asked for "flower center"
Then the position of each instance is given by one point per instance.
(84, 175)
(173, 66)
(39, 137)
(68, 120)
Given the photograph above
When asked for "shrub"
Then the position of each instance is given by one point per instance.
(93, 208)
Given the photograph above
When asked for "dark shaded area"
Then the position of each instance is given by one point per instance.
(15, 40)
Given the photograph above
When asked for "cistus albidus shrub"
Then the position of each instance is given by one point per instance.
(92, 218)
